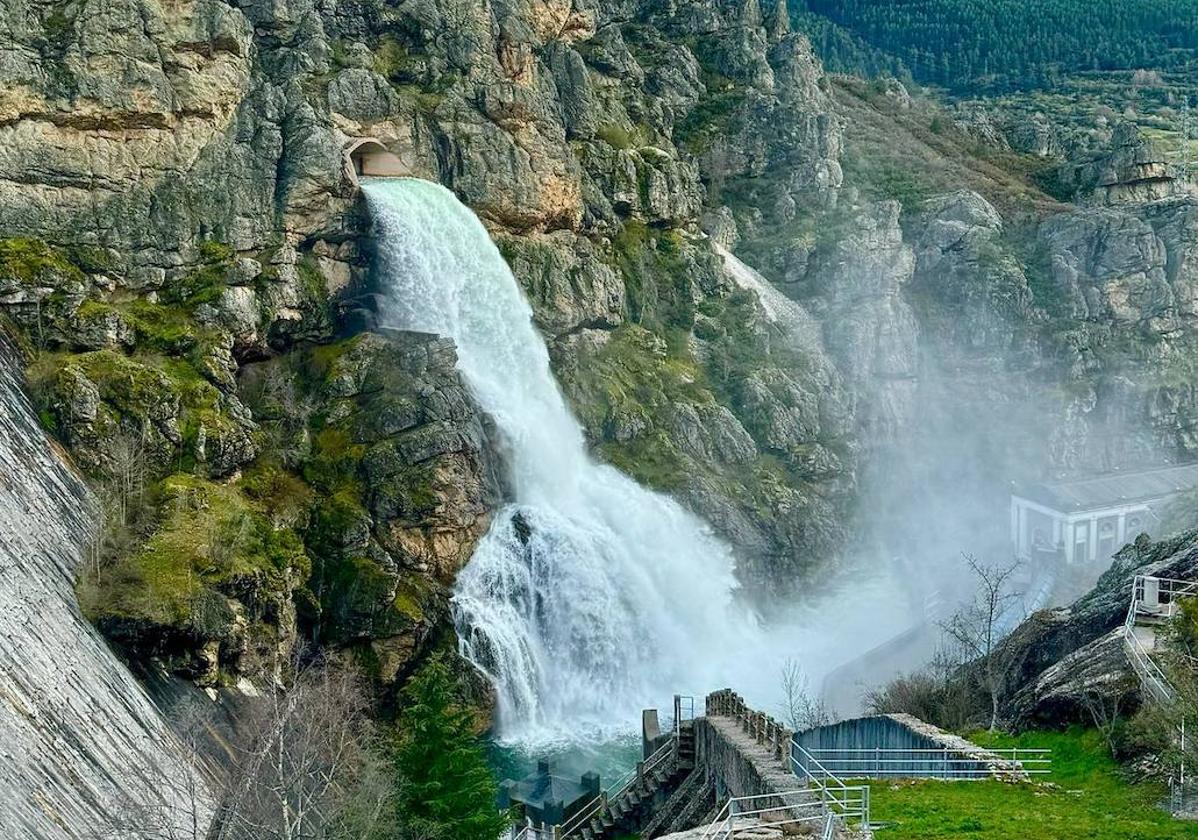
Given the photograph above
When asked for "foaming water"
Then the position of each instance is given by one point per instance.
(590, 597)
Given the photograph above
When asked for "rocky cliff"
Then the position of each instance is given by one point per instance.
(185, 257)
(179, 213)
(1061, 663)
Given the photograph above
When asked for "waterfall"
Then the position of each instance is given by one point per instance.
(590, 596)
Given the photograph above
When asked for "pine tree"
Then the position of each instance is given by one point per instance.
(448, 792)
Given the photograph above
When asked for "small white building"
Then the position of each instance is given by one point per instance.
(1086, 520)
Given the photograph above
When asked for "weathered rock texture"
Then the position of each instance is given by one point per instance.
(190, 157)
(1061, 662)
(185, 257)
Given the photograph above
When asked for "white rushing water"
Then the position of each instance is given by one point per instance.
(590, 596)
(780, 310)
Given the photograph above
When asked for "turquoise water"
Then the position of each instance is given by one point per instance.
(611, 759)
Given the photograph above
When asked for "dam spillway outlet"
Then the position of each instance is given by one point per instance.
(366, 157)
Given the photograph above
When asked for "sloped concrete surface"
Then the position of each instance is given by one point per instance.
(83, 751)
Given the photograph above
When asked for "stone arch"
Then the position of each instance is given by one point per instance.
(366, 157)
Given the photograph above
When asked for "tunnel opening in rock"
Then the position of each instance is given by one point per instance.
(368, 158)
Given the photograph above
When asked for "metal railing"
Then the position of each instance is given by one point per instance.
(935, 763)
(829, 827)
(1156, 598)
(772, 806)
(1167, 590)
(616, 790)
(844, 800)
(684, 710)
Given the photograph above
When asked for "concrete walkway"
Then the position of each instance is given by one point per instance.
(773, 776)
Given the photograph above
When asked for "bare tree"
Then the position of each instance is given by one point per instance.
(975, 629)
(122, 499)
(303, 767)
(801, 708)
(308, 772)
(178, 802)
(935, 693)
(1104, 708)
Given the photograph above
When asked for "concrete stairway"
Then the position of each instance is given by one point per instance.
(693, 797)
(627, 810)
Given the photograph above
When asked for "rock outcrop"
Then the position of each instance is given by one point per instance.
(1060, 663)
(186, 261)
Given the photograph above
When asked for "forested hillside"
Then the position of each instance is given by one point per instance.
(1009, 43)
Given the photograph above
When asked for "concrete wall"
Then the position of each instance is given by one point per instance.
(84, 753)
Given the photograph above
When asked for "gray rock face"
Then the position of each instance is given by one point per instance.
(1130, 170)
(395, 418)
(85, 751)
(558, 123)
(1058, 657)
(856, 290)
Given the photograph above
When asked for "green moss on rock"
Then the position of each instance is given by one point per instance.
(31, 262)
(211, 545)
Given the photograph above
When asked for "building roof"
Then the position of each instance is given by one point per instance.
(1114, 488)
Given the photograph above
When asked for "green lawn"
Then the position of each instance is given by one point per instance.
(1084, 797)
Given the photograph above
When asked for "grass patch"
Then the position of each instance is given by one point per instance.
(1086, 796)
(616, 136)
(210, 538)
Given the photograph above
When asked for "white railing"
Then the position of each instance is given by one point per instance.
(1157, 598)
(846, 801)
(684, 710)
(741, 813)
(939, 763)
(616, 790)
(829, 827)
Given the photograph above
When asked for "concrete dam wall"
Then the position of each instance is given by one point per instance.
(84, 753)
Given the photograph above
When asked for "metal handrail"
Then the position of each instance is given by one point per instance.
(829, 827)
(998, 751)
(868, 762)
(838, 793)
(724, 825)
(683, 702)
(1150, 673)
(616, 790)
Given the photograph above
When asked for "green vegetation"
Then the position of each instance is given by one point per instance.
(714, 115)
(205, 283)
(1086, 796)
(448, 792)
(1003, 44)
(910, 152)
(32, 262)
(208, 539)
(615, 136)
